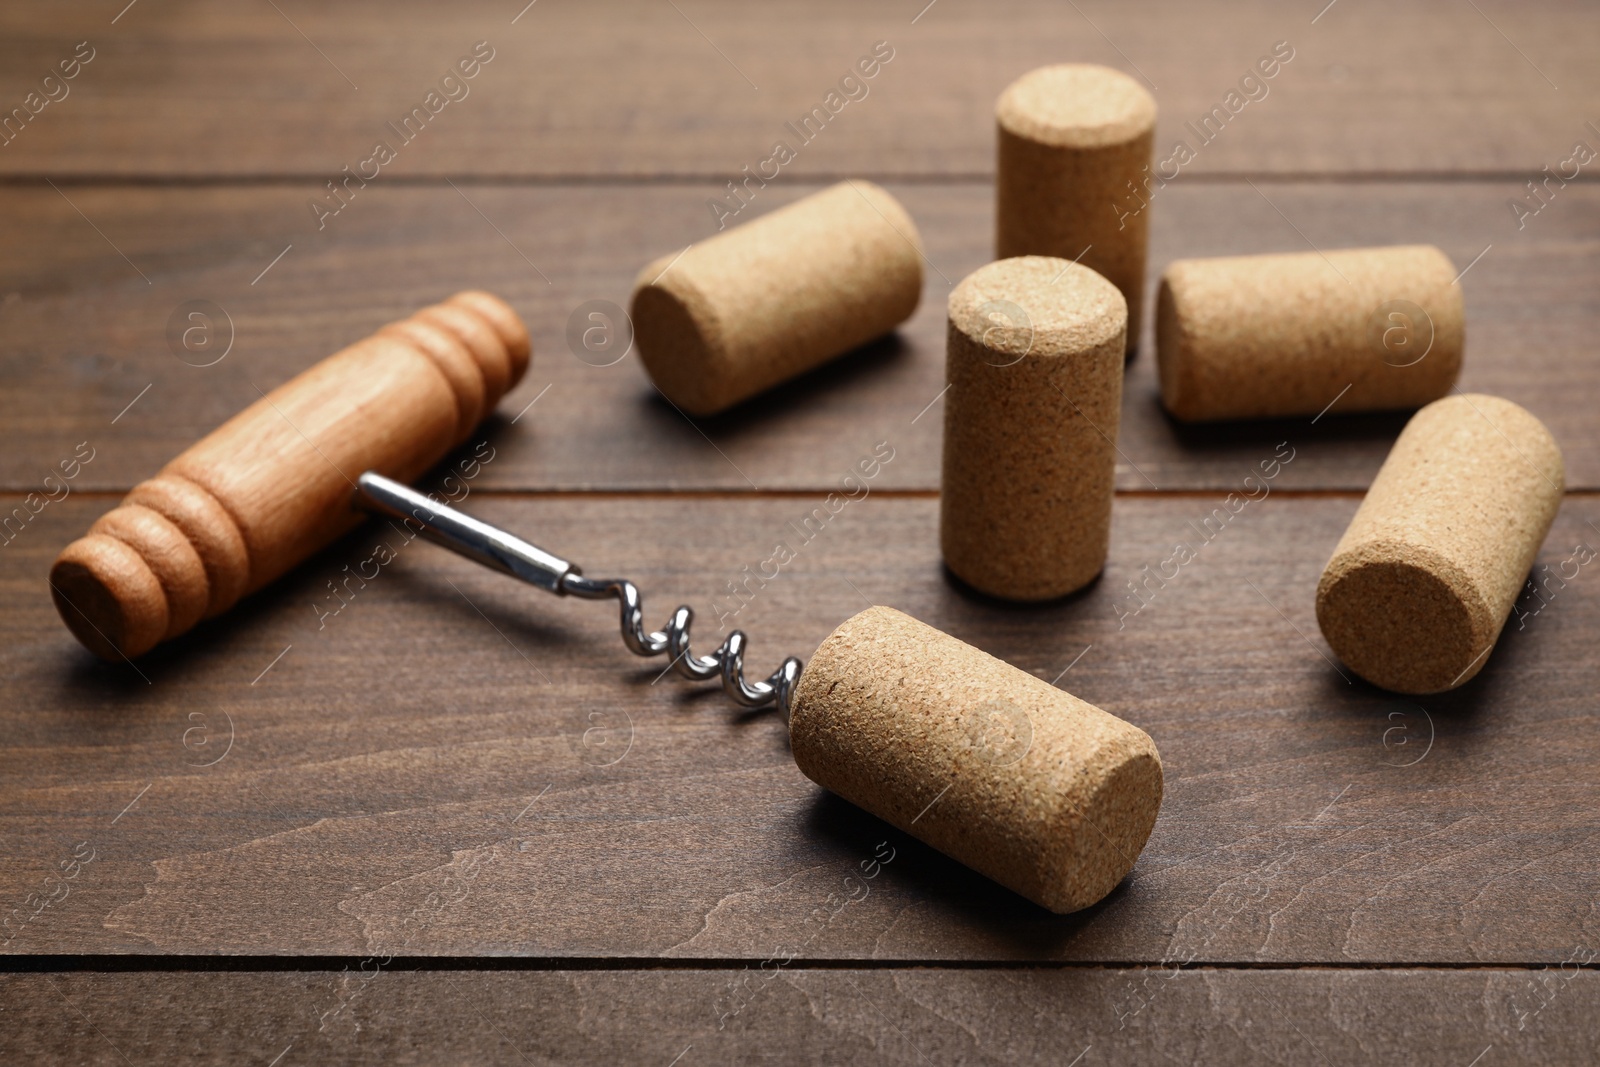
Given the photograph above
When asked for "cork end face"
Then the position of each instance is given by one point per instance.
(1099, 843)
(1037, 307)
(1076, 105)
(1401, 618)
(109, 597)
(1171, 356)
(680, 358)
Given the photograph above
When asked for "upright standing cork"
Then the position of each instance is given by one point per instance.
(1034, 362)
(273, 484)
(761, 303)
(1047, 795)
(1245, 337)
(1074, 143)
(1422, 581)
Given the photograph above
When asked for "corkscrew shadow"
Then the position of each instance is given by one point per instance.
(421, 578)
(515, 613)
(706, 698)
(961, 896)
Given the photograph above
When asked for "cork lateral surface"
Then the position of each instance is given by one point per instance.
(1034, 364)
(1271, 336)
(765, 301)
(1423, 580)
(1073, 142)
(1040, 791)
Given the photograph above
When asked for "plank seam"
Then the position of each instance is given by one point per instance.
(692, 178)
(139, 963)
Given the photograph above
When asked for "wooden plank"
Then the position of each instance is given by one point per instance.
(287, 781)
(705, 87)
(83, 336)
(847, 1016)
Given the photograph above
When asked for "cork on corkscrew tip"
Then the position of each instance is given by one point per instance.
(273, 484)
(1024, 783)
(1044, 793)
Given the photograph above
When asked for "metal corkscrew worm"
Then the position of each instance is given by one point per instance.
(508, 554)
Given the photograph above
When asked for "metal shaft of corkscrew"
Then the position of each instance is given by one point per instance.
(508, 554)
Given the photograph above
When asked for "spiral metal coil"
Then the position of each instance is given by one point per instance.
(727, 662)
(508, 554)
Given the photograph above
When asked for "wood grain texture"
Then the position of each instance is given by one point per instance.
(456, 764)
(644, 89)
(571, 859)
(81, 327)
(914, 1016)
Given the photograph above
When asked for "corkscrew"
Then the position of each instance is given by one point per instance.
(882, 723)
(1038, 790)
(508, 554)
(273, 485)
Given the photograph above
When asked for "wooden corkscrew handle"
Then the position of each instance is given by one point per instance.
(274, 483)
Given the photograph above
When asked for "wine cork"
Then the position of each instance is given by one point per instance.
(1422, 581)
(763, 302)
(1049, 796)
(1074, 145)
(1246, 337)
(1034, 361)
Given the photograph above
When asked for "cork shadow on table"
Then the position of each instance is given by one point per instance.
(977, 597)
(1442, 737)
(1377, 429)
(870, 364)
(1509, 665)
(961, 894)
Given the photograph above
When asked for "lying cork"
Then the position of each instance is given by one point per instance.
(1027, 784)
(1246, 337)
(763, 302)
(1034, 361)
(1422, 581)
(1074, 146)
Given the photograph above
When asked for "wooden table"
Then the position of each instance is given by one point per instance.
(456, 821)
